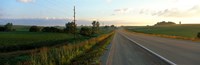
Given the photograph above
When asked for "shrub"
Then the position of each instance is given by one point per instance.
(95, 27)
(71, 27)
(198, 35)
(165, 23)
(9, 27)
(34, 29)
(85, 31)
(2, 29)
(51, 29)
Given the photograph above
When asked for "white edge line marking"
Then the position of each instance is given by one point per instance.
(161, 57)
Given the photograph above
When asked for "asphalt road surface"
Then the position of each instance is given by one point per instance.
(125, 52)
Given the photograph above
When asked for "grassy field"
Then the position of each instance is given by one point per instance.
(20, 38)
(85, 52)
(184, 30)
(21, 46)
(11, 41)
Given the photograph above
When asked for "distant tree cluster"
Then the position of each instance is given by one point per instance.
(95, 27)
(44, 29)
(86, 31)
(112, 26)
(198, 35)
(51, 29)
(70, 27)
(164, 23)
(8, 27)
(34, 29)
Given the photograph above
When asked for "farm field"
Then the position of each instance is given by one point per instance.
(69, 52)
(11, 41)
(20, 38)
(21, 46)
(183, 30)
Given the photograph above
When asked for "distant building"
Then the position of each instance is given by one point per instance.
(180, 22)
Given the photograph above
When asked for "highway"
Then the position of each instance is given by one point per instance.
(126, 52)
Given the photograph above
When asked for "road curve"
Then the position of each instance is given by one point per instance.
(125, 52)
(181, 52)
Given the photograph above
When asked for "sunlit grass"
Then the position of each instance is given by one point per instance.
(64, 55)
(189, 31)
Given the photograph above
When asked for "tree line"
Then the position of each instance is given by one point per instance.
(164, 23)
(71, 27)
(7, 27)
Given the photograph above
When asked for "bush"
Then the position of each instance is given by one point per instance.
(51, 29)
(198, 35)
(34, 29)
(70, 27)
(2, 29)
(9, 27)
(164, 23)
(85, 31)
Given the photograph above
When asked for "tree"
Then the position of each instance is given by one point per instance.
(112, 26)
(34, 29)
(95, 27)
(106, 26)
(85, 31)
(165, 23)
(2, 29)
(46, 29)
(8, 27)
(50, 29)
(70, 27)
(198, 35)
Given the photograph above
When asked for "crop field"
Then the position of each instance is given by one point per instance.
(184, 30)
(70, 54)
(22, 47)
(24, 40)
(20, 38)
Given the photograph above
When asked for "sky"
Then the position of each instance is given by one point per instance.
(117, 12)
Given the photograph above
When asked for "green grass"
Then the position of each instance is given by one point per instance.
(20, 38)
(71, 54)
(12, 41)
(184, 30)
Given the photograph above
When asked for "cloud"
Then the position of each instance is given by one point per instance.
(24, 1)
(122, 11)
(174, 12)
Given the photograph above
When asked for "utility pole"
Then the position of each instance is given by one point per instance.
(74, 24)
